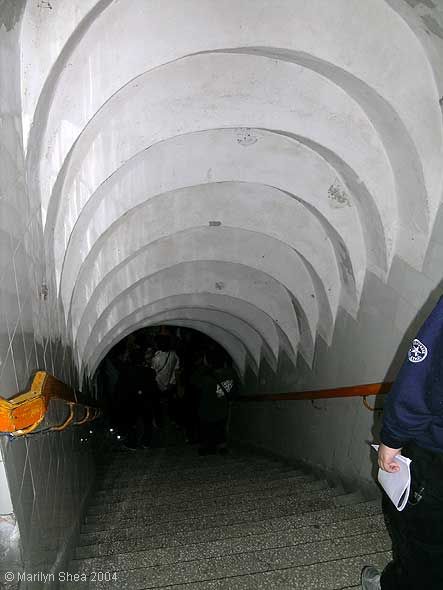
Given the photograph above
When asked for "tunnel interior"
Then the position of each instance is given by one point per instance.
(139, 412)
(267, 174)
(256, 181)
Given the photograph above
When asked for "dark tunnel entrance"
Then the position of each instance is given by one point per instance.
(167, 386)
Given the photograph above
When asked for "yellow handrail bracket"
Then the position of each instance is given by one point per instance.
(24, 412)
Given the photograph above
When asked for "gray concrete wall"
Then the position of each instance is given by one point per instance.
(333, 434)
(45, 477)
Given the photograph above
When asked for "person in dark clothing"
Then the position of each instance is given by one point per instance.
(193, 364)
(413, 426)
(166, 365)
(217, 385)
(107, 380)
(121, 417)
(142, 396)
(154, 391)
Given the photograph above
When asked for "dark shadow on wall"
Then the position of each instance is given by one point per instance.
(11, 12)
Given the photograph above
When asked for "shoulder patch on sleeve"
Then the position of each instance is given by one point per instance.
(418, 351)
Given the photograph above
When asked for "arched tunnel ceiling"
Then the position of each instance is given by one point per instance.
(233, 328)
(229, 342)
(208, 278)
(258, 209)
(258, 320)
(237, 165)
(219, 244)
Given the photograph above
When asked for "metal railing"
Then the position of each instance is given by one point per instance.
(25, 412)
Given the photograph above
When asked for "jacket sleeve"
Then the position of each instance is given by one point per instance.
(406, 417)
(407, 413)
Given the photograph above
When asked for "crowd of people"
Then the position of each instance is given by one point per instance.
(155, 385)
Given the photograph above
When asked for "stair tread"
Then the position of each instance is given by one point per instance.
(150, 508)
(352, 498)
(159, 465)
(166, 519)
(204, 491)
(196, 476)
(249, 562)
(182, 521)
(106, 542)
(340, 574)
(219, 547)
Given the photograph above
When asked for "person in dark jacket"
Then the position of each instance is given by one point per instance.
(142, 395)
(217, 386)
(413, 426)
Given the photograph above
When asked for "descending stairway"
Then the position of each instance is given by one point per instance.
(169, 518)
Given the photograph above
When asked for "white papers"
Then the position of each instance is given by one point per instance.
(397, 484)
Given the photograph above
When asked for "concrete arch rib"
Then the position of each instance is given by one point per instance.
(413, 207)
(236, 308)
(235, 281)
(294, 26)
(220, 156)
(69, 23)
(221, 244)
(255, 208)
(340, 125)
(230, 343)
(161, 312)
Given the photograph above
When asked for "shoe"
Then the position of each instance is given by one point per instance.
(370, 578)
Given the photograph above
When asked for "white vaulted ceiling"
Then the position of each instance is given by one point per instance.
(236, 166)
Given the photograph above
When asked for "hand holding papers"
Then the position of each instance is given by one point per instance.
(398, 484)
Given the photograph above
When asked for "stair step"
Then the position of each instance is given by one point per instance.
(179, 454)
(155, 507)
(249, 523)
(92, 546)
(160, 462)
(339, 574)
(195, 476)
(201, 464)
(249, 562)
(170, 518)
(223, 547)
(198, 491)
(213, 517)
(346, 499)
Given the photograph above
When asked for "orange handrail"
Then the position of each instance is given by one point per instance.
(352, 391)
(23, 413)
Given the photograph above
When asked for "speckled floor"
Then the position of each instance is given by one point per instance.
(171, 519)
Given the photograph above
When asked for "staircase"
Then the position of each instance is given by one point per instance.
(171, 519)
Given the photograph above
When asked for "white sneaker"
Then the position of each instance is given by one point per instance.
(370, 578)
